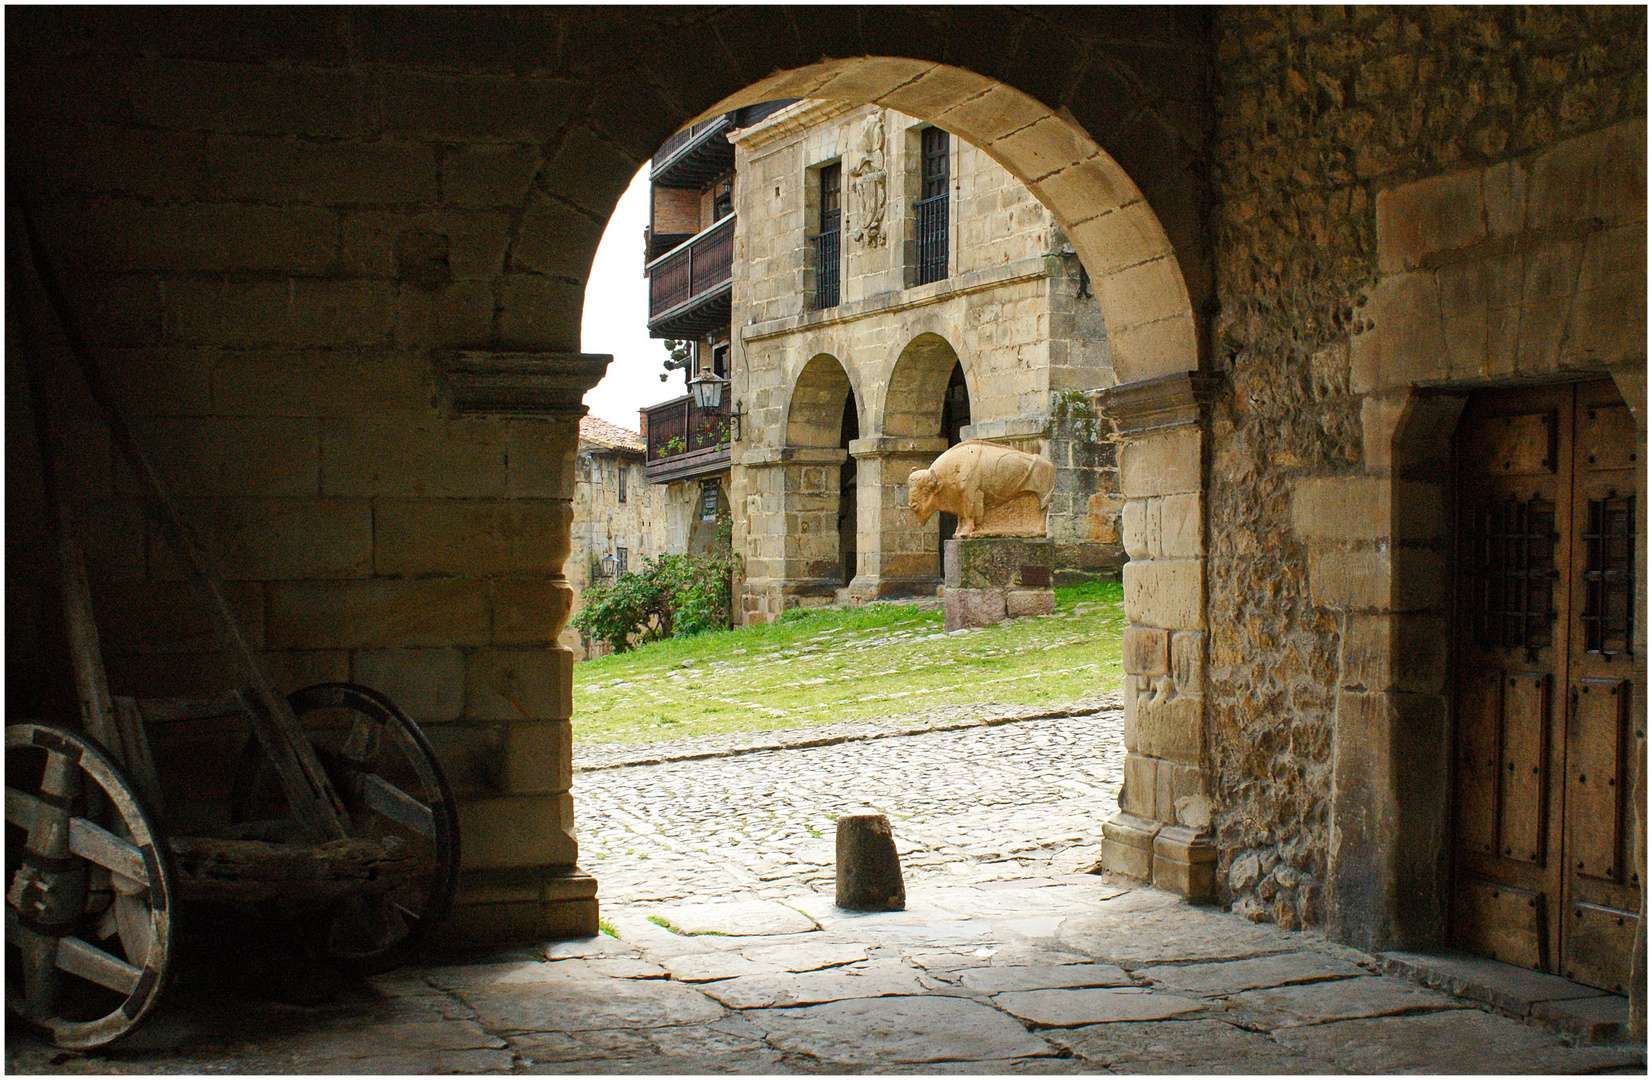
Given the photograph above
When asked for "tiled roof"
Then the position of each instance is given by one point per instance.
(602, 433)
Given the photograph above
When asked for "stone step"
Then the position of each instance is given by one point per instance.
(1594, 1016)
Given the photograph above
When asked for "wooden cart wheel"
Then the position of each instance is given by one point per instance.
(394, 793)
(88, 905)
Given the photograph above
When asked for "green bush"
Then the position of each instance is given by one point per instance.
(668, 596)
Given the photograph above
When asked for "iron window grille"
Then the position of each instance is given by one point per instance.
(622, 471)
(621, 560)
(931, 210)
(1609, 576)
(1514, 549)
(828, 238)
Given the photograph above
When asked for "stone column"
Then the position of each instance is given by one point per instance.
(519, 880)
(898, 556)
(1162, 831)
(792, 555)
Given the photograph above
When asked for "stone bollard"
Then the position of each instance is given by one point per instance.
(868, 870)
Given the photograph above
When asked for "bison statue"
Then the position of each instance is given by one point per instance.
(975, 478)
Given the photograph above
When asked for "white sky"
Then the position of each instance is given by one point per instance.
(616, 317)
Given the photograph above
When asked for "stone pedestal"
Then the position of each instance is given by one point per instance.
(993, 578)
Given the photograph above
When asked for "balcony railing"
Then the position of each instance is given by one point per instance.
(691, 270)
(686, 440)
(932, 238)
(681, 141)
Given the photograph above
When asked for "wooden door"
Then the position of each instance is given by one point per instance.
(1544, 681)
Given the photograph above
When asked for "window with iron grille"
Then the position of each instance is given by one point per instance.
(1609, 576)
(1514, 549)
(621, 560)
(623, 469)
(930, 210)
(708, 502)
(828, 237)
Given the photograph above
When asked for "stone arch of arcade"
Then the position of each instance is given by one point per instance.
(793, 522)
(899, 556)
(381, 222)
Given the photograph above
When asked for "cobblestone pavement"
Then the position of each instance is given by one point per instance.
(727, 954)
(981, 803)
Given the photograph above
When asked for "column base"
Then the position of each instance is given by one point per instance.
(1174, 858)
(1184, 861)
(518, 906)
(1127, 845)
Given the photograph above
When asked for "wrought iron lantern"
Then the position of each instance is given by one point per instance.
(707, 389)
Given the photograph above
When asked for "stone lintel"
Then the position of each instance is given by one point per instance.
(1184, 861)
(1148, 405)
(481, 383)
(519, 906)
(758, 457)
(892, 445)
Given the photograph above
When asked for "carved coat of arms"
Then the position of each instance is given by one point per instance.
(869, 180)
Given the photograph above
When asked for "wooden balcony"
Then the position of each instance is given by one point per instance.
(685, 441)
(689, 286)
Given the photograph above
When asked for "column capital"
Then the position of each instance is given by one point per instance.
(1151, 405)
(482, 383)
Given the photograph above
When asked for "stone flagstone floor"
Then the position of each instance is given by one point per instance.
(731, 957)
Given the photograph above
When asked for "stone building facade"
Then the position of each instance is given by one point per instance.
(334, 261)
(614, 508)
(896, 291)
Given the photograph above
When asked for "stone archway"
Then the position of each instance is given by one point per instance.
(790, 517)
(381, 220)
(900, 557)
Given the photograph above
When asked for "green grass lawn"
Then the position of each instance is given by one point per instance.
(824, 666)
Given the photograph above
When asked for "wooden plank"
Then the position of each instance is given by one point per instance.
(1523, 819)
(1599, 943)
(1502, 922)
(1606, 438)
(93, 964)
(1480, 697)
(1522, 444)
(173, 710)
(248, 871)
(140, 763)
(1596, 777)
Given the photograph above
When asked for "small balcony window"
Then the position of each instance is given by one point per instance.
(828, 237)
(931, 211)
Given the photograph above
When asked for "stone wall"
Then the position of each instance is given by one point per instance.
(1329, 122)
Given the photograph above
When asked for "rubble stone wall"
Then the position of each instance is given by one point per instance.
(1386, 218)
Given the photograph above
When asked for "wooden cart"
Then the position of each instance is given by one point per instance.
(341, 814)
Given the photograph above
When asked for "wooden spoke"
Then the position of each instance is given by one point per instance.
(397, 805)
(92, 963)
